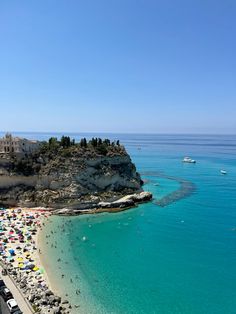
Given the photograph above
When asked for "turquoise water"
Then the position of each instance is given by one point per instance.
(180, 258)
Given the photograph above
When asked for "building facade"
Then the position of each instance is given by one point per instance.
(10, 144)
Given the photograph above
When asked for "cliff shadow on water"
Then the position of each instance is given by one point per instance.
(186, 189)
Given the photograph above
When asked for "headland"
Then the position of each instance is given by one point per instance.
(93, 174)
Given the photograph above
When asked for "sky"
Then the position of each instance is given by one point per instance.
(121, 66)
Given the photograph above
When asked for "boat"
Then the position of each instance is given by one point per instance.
(189, 160)
(223, 172)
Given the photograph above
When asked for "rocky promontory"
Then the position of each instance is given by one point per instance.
(83, 176)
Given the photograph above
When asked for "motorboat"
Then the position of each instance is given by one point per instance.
(189, 160)
(223, 172)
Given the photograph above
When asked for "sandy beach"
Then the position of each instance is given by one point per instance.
(22, 256)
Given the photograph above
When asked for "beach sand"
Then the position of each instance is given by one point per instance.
(21, 251)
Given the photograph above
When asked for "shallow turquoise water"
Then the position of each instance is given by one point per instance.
(180, 258)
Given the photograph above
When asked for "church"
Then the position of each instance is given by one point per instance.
(10, 144)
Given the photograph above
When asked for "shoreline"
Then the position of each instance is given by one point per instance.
(40, 258)
(44, 264)
(21, 255)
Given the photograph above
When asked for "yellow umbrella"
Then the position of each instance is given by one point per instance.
(20, 265)
(19, 259)
(35, 268)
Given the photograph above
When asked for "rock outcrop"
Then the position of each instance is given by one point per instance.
(118, 205)
(69, 178)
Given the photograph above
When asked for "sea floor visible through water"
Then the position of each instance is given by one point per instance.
(176, 254)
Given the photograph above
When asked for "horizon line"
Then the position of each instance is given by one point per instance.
(122, 133)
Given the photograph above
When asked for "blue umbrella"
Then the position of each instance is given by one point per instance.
(11, 251)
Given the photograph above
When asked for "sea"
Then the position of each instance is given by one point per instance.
(174, 255)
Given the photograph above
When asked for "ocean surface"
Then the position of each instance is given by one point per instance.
(176, 254)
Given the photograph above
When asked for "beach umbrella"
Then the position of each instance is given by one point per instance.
(19, 259)
(35, 268)
(20, 265)
(11, 251)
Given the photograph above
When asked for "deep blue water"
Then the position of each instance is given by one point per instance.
(180, 258)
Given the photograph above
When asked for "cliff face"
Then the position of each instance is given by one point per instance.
(67, 178)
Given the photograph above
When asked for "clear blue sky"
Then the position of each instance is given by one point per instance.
(118, 66)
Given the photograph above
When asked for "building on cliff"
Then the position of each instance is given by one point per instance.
(10, 144)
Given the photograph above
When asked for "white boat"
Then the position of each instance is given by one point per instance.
(189, 160)
(223, 172)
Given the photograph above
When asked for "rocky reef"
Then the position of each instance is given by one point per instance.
(77, 177)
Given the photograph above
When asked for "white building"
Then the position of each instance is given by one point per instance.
(10, 144)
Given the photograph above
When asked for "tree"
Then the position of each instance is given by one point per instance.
(83, 142)
(65, 141)
(62, 142)
(94, 142)
(99, 142)
(53, 143)
(107, 142)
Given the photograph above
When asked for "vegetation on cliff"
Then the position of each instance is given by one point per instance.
(66, 148)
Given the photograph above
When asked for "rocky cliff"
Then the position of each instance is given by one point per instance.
(74, 177)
